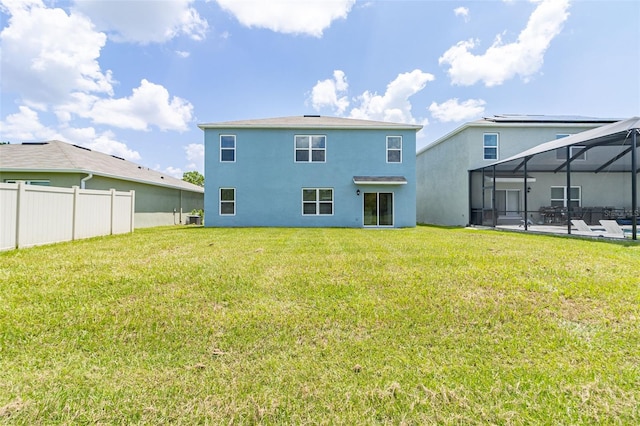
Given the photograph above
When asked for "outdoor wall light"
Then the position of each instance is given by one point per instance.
(528, 189)
(358, 192)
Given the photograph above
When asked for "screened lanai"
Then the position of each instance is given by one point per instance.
(562, 185)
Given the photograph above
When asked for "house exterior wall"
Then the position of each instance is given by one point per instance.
(154, 205)
(442, 168)
(268, 182)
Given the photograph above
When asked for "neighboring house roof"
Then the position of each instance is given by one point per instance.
(516, 120)
(61, 157)
(309, 122)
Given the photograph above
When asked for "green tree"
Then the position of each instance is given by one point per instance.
(194, 177)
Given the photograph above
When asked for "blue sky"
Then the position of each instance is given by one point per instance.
(134, 78)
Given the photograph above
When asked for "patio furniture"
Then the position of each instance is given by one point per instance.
(582, 226)
(612, 228)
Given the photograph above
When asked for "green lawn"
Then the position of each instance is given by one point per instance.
(321, 326)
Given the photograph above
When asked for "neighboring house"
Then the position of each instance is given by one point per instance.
(442, 167)
(159, 199)
(310, 171)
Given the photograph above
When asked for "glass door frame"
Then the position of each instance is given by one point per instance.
(378, 213)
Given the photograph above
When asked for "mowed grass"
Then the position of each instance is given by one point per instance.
(321, 326)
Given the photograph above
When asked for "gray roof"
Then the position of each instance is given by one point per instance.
(61, 157)
(526, 118)
(519, 120)
(614, 136)
(309, 122)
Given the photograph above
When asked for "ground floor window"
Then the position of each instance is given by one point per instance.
(227, 201)
(378, 209)
(317, 201)
(559, 196)
(40, 182)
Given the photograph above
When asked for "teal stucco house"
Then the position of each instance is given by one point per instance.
(310, 171)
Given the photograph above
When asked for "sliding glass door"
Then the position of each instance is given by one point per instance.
(378, 209)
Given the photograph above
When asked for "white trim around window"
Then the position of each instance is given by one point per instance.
(561, 153)
(317, 201)
(227, 202)
(228, 148)
(310, 148)
(394, 149)
(559, 196)
(37, 182)
(490, 146)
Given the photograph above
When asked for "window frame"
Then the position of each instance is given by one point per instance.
(318, 202)
(389, 150)
(560, 153)
(310, 149)
(221, 201)
(228, 149)
(35, 182)
(564, 196)
(485, 147)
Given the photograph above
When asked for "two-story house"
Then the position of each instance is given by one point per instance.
(443, 168)
(310, 171)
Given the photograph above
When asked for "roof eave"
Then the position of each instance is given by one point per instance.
(95, 173)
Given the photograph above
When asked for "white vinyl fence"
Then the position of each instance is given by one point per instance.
(32, 215)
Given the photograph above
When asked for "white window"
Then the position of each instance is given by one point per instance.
(310, 148)
(559, 196)
(40, 182)
(227, 201)
(317, 201)
(490, 146)
(561, 153)
(394, 149)
(228, 148)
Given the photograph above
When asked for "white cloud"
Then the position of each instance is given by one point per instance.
(104, 142)
(394, 105)
(328, 93)
(183, 54)
(463, 12)
(176, 172)
(162, 20)
(195, 154)
(309, 17)
(501, 62)
(149, 104)
(47, 53)
(25, 125)
(454, 110)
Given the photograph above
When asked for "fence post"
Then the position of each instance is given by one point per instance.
(19, 209)
(133, 209)
(74, 224)
(113, 210)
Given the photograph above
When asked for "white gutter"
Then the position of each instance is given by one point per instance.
(84, 180)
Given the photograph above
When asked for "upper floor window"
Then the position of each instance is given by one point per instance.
(394, 149)
(490, 146)
(317, 201)
(561, 153)
(228, 148)
(311, 148)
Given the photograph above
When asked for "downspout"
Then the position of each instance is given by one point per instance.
(84, 180)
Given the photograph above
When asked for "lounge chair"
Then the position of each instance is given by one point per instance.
(582, 226)
(612, 228)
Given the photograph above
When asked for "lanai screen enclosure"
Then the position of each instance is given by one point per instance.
(590, 176)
